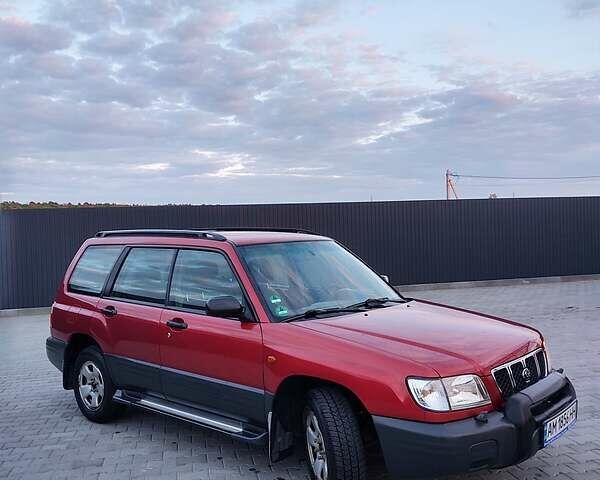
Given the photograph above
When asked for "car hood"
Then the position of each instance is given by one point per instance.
(450, 340)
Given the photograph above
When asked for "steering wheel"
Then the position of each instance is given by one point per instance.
(346, 292)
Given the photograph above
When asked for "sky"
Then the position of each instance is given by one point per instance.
(210, 101)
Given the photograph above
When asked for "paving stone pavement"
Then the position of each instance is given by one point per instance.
(43, 435)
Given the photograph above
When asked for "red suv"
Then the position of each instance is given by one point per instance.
(287, 338)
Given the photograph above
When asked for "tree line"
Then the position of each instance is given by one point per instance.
(6, 205)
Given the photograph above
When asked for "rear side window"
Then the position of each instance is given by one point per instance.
(144, 275)
(199, 276)
(93, 269)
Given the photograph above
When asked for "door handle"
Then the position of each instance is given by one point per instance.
(109, 311)
(177, 324)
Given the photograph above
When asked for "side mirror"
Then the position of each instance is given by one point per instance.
(226, 306)
(386, 278)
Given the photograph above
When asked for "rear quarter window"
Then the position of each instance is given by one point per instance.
(93, 269)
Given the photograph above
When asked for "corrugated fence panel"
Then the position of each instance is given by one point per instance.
(413, 242)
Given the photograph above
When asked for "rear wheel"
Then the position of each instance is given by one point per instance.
(334, 446)
(93, 387)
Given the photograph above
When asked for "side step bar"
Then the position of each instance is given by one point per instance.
(199, 417)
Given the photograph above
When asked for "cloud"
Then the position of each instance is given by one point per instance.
(7, 7)
(112, 43)
(40, 66)
(310, 13)
(151, 167)
(583, 8)
(21, 36)
(260, 37)
(87, 16)
(210, 19)
(199, 102)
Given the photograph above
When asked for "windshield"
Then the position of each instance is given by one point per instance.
(295, 277)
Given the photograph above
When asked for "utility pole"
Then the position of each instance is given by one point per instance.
(450, 185)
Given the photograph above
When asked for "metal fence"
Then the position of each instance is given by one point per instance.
(412, 242)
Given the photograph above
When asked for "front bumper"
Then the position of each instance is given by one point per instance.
(415, 449)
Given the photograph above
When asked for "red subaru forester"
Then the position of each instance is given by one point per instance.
(287, 338)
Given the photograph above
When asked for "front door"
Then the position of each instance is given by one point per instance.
(210, 362)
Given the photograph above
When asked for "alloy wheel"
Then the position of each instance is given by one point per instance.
(316, 447)
(91, 385)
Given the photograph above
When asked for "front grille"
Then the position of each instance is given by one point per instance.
(541, 359)
(504, 382)
(521, 373)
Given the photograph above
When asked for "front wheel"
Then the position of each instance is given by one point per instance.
(93, 387)
(334, 446)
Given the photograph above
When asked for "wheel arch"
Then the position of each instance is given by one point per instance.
(285, 408)
(77, 342)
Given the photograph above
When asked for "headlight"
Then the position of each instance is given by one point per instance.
(429, 394)
(452, 393)
(465, 391)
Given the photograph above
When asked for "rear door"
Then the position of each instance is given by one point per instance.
(132, 307)
(76, 308)
(211, 363)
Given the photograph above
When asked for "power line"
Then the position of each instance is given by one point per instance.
(502, 181)
(457, 175)
(509, 183)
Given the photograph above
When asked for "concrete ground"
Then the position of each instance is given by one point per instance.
(43, 435)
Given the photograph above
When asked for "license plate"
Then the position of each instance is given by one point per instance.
(560, 423)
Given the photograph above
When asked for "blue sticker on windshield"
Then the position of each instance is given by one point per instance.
(281, 311)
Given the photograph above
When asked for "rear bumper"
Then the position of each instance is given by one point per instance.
(55, 350)
(413, 449)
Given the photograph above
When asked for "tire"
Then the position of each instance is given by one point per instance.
(343, 454)
(94, 388)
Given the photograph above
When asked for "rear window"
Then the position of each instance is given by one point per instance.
(144, 275)
(93, 269)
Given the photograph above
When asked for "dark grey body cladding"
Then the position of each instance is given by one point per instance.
(241, 402)
(134, 375)
(237, 401)
(55, 350)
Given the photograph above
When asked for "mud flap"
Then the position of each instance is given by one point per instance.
(281, 441)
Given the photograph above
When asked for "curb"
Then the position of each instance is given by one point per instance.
(21, 312)
(507, 282)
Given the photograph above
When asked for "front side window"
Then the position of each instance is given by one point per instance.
(93, 269)
(199, 276)
(295, 277)
(144, 275)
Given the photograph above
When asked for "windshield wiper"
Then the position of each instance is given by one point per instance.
(377, 302)
(315, 312)
(357, 307)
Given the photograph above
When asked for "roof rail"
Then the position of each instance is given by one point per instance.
(261, 229)
(161, 233)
